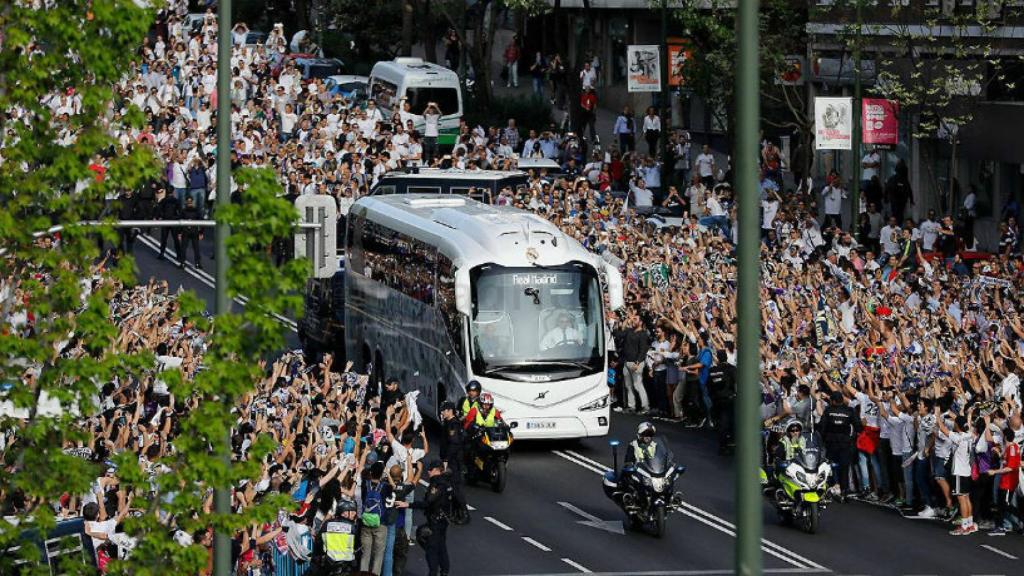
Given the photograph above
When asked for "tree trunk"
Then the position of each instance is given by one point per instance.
(408, 12)
(427, 31)
(302, 14)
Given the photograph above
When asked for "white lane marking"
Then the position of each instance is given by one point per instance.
(209, 280)
(535, 543)
(582, 513)
(998, 551)
(498, 523)
(722, 524)
(707, 572)
(561, 454)
(577, 565)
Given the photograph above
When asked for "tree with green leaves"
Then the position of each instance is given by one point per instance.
(476, 24)
(709, 73)
(61, 350)
(937, 61)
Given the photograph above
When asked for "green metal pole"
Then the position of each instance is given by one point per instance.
(856, 121)
(222, 304)
(666, 106)
(748, 432)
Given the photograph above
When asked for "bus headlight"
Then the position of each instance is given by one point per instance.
(598, 404)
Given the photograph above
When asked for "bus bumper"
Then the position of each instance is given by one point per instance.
(539, 428)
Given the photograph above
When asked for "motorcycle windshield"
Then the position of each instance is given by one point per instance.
(498, 433)
(661, 462)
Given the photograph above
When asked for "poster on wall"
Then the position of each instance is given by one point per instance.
(833, 123)
(678, 54)
(644, 63)
(880, 122)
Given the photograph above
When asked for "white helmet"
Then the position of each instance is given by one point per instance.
(645, 429)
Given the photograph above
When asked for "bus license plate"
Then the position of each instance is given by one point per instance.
(539, 425)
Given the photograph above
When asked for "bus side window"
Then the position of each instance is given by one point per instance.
(354, 243)
(446, 303)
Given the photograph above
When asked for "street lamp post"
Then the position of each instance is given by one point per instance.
(748, 436)
(666, 106)
(222, 304)
(855, 185)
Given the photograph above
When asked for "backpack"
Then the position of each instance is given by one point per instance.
(373, 505)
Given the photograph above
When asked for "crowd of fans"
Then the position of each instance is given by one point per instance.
(339, 440)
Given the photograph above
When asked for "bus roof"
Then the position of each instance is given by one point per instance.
(412, 69)
(455, 174)
(473, 233)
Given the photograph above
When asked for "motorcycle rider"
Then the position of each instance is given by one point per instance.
(453, 453)
(485, 415)
(336, 544)
(791, 445)
(644, 446)
(470, 400)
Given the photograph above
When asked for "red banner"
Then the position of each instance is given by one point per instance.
(880, 124)
(678, 54)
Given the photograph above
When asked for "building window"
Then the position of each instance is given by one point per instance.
(618, 34)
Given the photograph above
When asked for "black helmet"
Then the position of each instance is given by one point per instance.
(473, 385)
(347, 505)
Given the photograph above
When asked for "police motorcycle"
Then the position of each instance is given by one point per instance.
(645, 489)
(798, 480)
(492, 442)
(490, 456)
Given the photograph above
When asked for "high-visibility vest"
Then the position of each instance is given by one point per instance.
(642, 453)
(791, 447)
(340, 541)
(468, 405)
(487, 422)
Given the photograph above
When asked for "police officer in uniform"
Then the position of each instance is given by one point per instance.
(435, 507)
(335, 547)
(453, 453)
(839, 428)
(722, 388)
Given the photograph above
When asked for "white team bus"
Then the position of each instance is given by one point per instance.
(441, 290)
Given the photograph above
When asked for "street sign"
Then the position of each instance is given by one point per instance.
(833, 123)
(644, 63)
(318, 244)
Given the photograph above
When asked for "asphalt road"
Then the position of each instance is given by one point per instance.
(553, 517)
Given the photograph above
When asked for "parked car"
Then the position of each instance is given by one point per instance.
(350, 87)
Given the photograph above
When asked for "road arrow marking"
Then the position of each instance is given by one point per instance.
(613, 526)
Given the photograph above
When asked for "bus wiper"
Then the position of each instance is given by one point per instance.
(572, 363)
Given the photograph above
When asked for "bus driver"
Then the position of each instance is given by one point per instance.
(563, 334)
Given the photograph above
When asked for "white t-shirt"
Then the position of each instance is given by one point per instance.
(587, 78)
(868, 410)
(867, 172)
(769, 208)
(705, 165)
(106, 527)
(961, 446)
(399, 455)
(929, 234)
(890, 238)
(430, 125)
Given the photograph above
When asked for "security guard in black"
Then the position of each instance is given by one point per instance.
(435, 506)
(453, 454)
(839, 428)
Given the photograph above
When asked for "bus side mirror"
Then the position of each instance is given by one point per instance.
(614, 279)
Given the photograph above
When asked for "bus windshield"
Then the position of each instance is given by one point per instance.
(536, 324)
